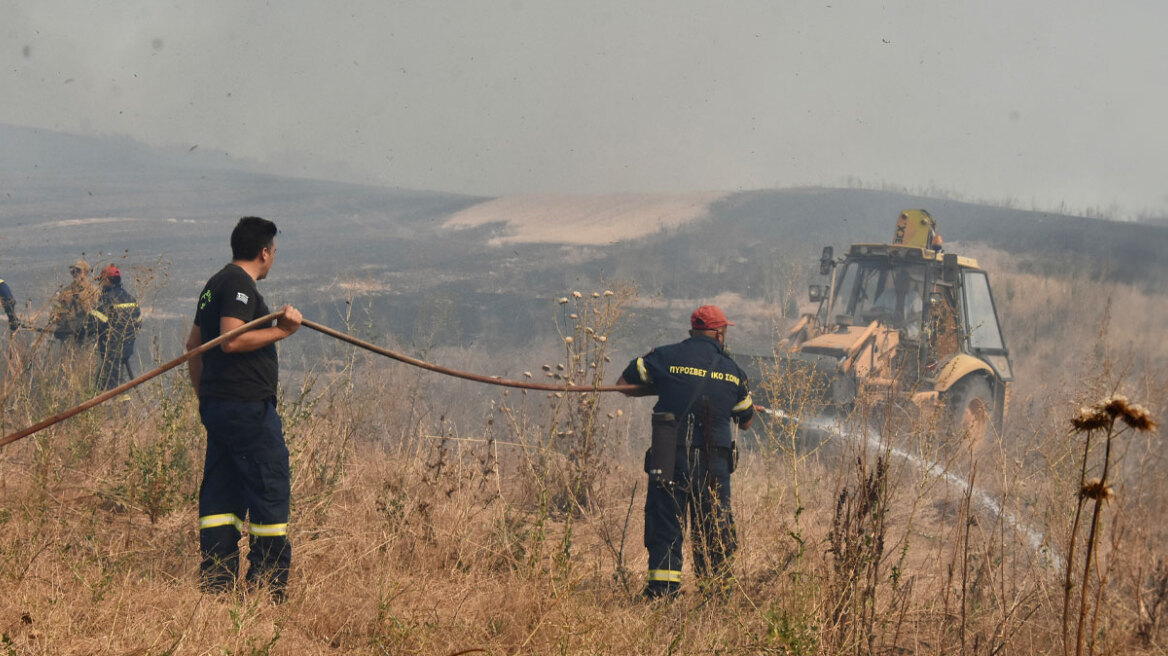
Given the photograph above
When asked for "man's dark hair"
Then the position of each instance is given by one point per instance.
(250, 236)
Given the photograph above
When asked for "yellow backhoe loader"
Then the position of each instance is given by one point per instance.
(901, 323)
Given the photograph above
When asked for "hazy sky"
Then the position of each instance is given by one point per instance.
(1040, 102)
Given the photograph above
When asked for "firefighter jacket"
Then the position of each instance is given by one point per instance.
(685, 372)
(115, 321)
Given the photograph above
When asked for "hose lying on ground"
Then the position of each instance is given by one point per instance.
(124, 387)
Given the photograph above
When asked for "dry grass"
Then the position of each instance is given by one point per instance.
(434, 518)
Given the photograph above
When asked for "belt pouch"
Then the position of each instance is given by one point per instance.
(663, 448)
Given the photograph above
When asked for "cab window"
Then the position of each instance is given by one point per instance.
(868, 290)
(984, 332)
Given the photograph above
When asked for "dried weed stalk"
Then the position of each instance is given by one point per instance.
(1089, 420)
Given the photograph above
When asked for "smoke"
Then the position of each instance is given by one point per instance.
(1038, 104)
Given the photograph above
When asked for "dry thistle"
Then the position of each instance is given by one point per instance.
(577, 295)
(563, 300)
(1113, 404)
(1139, 418)
(1097, 490)
(1090, 418)
(1116, 406)
(1132, 414)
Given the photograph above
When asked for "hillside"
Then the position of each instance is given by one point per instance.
(496, 261)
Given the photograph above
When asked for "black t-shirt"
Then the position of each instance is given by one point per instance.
(250, 376)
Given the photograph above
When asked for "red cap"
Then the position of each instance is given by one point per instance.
(111, 271)
(709, 317)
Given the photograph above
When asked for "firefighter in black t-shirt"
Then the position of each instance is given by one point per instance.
(700, 391)
(246, 470)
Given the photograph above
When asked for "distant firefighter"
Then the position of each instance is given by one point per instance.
(73, 304)
(9, 303)
(115, 322)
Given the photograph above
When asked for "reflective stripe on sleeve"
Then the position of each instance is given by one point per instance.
(125, 306)
(669, 575)
(99, 316)
(744, 404)
(214, 521)
(642, 372)
(268, 530)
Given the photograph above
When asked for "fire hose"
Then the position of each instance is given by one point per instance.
(325, 330)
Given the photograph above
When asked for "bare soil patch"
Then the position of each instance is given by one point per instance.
(587, 220)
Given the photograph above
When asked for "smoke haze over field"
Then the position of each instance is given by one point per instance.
(1039, 103)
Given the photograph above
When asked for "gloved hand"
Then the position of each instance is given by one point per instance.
(13, 324)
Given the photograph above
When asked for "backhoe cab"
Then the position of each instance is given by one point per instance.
(902, 323)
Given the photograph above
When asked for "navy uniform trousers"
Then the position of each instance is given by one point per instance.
(700, 493)
(114, 360)
(245, 475)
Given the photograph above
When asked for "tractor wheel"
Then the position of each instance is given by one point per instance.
(971, 410)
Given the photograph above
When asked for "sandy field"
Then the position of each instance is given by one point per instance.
(585, 220)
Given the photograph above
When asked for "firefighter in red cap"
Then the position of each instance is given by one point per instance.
(700, 392)
(115, 321)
